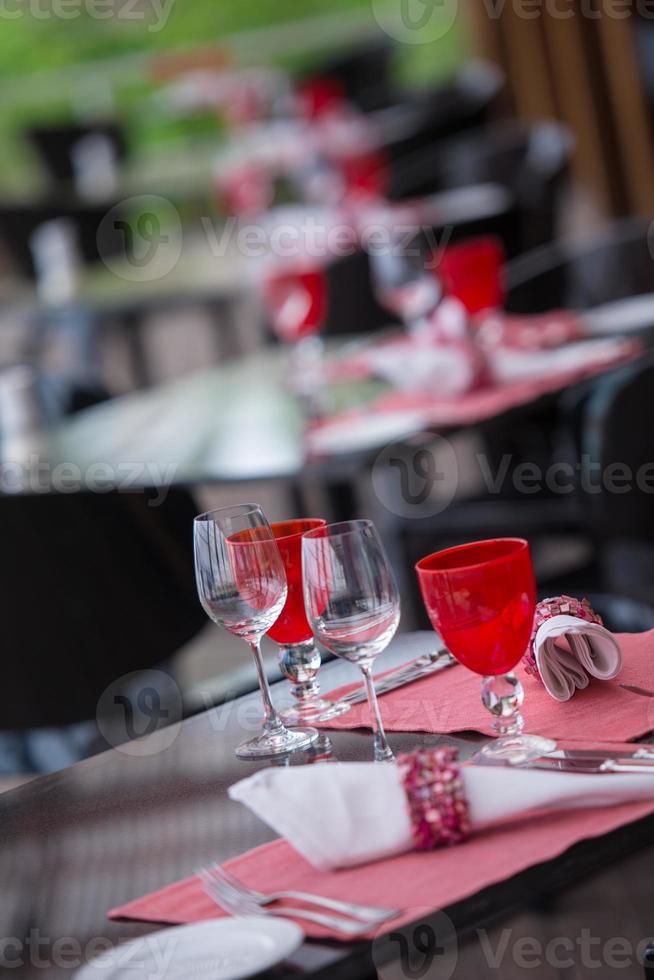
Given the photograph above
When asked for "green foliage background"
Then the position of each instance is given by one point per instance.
(43, 46)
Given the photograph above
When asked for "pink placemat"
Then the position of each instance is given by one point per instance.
(418, 882)
(449, 701)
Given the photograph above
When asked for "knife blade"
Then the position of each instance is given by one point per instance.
(636, 752)
(585, 765)
(429, 663)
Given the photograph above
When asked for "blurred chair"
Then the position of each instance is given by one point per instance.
(95, 238)
(95, 586)
(617, 441)
(622, 614)
(616, 265)
(57, 146)
(419, 120)
(531, 161)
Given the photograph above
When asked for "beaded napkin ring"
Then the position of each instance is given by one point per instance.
(434, 790)
(562, 605)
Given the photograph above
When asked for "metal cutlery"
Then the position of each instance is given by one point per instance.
(635, 752)
(428, 663)
(641, 760)
(366, 913)
(634, 689)
(237, 903)
(586, 765)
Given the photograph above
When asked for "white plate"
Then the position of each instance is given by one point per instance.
(220, 949)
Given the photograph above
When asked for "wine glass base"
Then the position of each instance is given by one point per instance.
(515, 749)
(313, 711)
(268, 745)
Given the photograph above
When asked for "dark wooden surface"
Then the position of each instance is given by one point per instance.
(109, 829)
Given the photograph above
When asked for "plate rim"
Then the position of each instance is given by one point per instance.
(290, 937)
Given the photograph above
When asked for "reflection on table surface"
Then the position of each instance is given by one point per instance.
(229, 423)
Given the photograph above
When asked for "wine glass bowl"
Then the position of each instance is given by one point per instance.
(484, 595)
(299, 659)
(481, 598)
(352, 601)
(241, 584)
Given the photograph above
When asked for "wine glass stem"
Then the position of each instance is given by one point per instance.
(503, 695)
(383, 752)
(271, 720)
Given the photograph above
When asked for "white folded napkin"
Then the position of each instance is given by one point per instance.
(352, 813)
(445, 370)
(569, 651)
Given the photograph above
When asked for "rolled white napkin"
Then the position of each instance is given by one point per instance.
(446, 370)
(569, 650)
(342, 815)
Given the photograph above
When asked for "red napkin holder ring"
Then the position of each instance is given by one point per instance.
(435, 797)
(562, 605)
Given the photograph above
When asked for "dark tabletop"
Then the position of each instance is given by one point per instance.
(96, 835)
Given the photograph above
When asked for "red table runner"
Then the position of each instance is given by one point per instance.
(419, 882)
(450, 702)
(477, 405)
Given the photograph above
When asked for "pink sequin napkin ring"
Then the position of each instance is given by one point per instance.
(435, 797)
(562, 605)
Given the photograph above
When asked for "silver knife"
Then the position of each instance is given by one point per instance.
(585, 765)
(428, 663)
(645, 752)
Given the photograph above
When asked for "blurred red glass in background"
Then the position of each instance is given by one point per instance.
(472, 272)
(321, 95)
(365, 174)
(296, 297)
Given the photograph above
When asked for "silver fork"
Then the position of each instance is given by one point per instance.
(366, 913)
(236, 904)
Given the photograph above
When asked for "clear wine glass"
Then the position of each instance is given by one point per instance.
(402, 283)
(242, 586)
(352, 601)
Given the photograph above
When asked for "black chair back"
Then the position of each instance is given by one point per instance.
(531, 161)
(92, 586)
(55, 145)
(618, 452)
(421, 119)
(615, 265)
(96, 238)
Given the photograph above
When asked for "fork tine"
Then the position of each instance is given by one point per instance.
(349, 909)
(222, 875)
(229, 902)
(219, 878)
(225, 895)
(228, 876)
